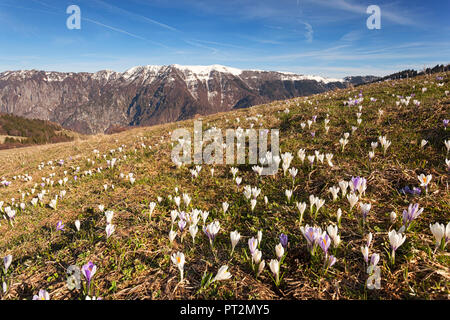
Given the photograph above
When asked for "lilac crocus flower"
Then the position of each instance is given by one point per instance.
(88, 271)
(445, 122)
(312, 236)
(330, 261)
(324, 243)
(59, 226)
(412, 213)
(43, 295)
(181, 225)
(313, 134)
(284, 240)
(414, 191)
(314, 118)
(252, 245)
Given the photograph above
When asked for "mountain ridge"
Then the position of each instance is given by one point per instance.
(91, 103)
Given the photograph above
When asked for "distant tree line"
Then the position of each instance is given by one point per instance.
(34, 131)
(411, 73)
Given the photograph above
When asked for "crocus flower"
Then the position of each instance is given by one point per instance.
(301, 206)
(60, 226)
(330, 261)
(88, 270)
(172, 235)
(109, 215)
(234, 236)
(178, 260)
(365, 208)
(393, 216)
(374, 259)
(261, 266)
(438, 231)
(225, 206)
(324, 243)
(222, 274)
(288, 194)
(274, 266)
(110, 228)
(365, 253)
(152, 207)
(284, 240)
(252, 245)
(424, 180)
(193, 229)
(43, 295)
(6, 263)
(256, 256)
(312, 236)
(181, 225)
(252, 204)
(77, 224)
(352, 199)
(333, 232)
(412, 213)
(396, 240)
(211, 231)
(279, 250)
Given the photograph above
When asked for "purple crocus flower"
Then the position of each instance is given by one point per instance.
(252, 245)
(42, 184)
(88, 271)
(313, 134)
(412, 213)
(181, 225)
(314, 118)
(324, 243)
(414, 191)
(445, 121)
(331, 260)
(75, 178)
(284, 240)
(312, 236)
(356, 182)
(60, 226)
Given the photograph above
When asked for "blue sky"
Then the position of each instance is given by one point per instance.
(322, 37)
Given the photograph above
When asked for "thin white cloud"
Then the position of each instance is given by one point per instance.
(134, 15)
(123, 31)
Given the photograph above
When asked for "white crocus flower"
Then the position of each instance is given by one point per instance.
(396, 240)
(193, 229)
(77, 224)
(235, 237)
(279, 250)
(179, 260)
(438, 231)
(110, 228)
(352, 199)
(172, 235)
(222, 274)
(334, 192)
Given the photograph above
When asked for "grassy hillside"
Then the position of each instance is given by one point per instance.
(135, 261)
(19, 132)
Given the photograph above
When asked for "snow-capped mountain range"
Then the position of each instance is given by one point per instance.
(147, 95)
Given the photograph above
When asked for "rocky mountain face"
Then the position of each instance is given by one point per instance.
(146, 95)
